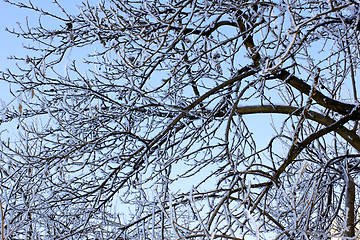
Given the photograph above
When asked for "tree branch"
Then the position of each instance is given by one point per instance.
(350, 136)
(329, 103)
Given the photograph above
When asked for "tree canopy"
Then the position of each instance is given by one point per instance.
(183, 119)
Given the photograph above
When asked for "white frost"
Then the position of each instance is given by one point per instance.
(252, 223)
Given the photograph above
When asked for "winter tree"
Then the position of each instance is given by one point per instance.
(182, 119)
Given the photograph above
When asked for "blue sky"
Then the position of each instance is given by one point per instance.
(10, 44)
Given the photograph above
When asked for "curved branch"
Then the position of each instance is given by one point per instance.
(320, 98)
(202, 32)
(350, 136)
(331, 125)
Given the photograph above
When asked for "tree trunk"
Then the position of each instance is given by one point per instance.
(350, 208)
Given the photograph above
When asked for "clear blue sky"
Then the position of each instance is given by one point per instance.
(10, 44)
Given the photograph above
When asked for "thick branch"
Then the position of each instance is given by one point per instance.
(203, 32)
(350, 208)
(350, 136)
(321, 99)
(296, 149)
